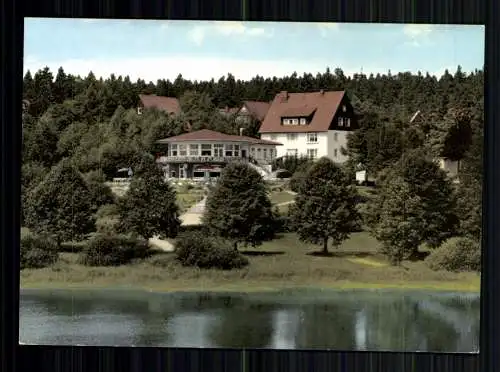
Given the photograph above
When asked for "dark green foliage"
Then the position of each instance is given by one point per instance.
(60, 205)
(456, 254)
(206, 252)
(149, 207)
(291, 163)
(325, 207)
(37, 251)
(239, 208)
(299, 176)
(100, 193)
(113, 250)
(414, 205)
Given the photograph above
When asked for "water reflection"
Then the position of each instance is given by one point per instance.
(355, 320)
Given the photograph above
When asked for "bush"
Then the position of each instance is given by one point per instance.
(107, 225)
(456, 254)
(113, 250)
(107, 210)
(197, 249)
(37, 251)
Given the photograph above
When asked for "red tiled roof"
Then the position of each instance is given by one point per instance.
(325, 105)
(167, 104)
(300, 111)
(257, 108)
(210, 135)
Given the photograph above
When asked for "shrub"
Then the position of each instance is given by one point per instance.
(107, 210)
(37, 251)
(197, 249)
(456, 254)
(113, 250)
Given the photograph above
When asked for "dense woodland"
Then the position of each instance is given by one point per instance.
(92, 125)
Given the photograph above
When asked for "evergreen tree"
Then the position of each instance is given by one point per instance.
(239, 208)
(414, 205)
(149, 207)
(60, 205)
(324, 209)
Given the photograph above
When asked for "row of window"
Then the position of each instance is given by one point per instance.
(311, 153)
(312, 137)
(208, 149)
(261, 153)
(294, 121)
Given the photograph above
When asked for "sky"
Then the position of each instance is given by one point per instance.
(153, 50)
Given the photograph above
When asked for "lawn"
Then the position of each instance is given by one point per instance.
(283, 263)
(279, 197)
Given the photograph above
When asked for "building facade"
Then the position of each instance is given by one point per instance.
(310, 124)
(201, 155)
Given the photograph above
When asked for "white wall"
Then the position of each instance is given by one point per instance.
(299, 143)
(326, 145)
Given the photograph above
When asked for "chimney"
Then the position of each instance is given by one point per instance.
(241, 131)
(284, 96)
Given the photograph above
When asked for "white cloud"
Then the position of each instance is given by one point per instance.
(418, 34)
(198, 33)
(193, 68)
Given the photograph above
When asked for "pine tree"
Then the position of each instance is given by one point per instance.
(324, 209)
(149, 207)
(60, 205)
(239, 208)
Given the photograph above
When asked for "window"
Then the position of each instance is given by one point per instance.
(219, 149)
(344, 109)
(312, 153)
(341, 122)
(236, 151)
(271, 153)
(206, 149)
(291, 136)
(335, 137)
(295, 121)
(348, 122)
(139, 110)
(193, 150)
(229, 150)
(173, 150)
(312, 137)
(302, 121)
(286, 121)
(198, 174)
(335, 152)
(265, 153)
(291, 152)
(182, 150)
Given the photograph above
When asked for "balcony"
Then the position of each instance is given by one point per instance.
(200, 159)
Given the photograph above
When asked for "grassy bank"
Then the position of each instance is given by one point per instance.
(280, 264)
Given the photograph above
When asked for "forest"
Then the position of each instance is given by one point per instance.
(91, 125)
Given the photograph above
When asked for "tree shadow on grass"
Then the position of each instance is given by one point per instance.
(418, 256)
(262, 253)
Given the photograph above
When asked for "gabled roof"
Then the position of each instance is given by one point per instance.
(210, 135)
(323, 104)
(257, 109)
(170, 105)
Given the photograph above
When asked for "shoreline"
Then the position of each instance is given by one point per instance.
(256, 288)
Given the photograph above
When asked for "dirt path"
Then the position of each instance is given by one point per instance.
(190, 218)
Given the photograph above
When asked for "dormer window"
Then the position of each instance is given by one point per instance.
(302, 121)
(295, 121)
(286, 122)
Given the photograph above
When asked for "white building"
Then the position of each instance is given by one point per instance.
(311, 124)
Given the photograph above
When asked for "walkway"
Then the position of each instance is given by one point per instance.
(190, 218)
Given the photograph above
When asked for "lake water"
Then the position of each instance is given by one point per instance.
(342, 320)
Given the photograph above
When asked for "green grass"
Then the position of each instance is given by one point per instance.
(281, 197)
(282, 263)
